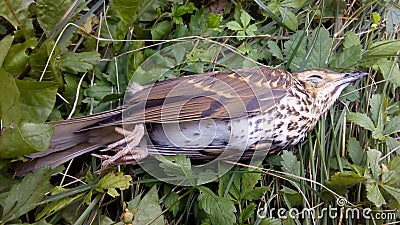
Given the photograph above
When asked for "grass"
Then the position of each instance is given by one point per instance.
(351, 155)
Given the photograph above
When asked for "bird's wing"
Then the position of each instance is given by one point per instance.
(222, 94)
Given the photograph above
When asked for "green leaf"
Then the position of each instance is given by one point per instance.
(382, 48)
(361, 119)
(247, 213)
(126, 10)
(392, 143)
(390, 71)
(16, 58)
(351, 39)
(394, 164)
(176, 166)
(148, 10)
(289, 163)
(355, 151)
(292, 3)
(112, 181)
(275, 50)
(289, 19)
(348, 58)
(295, 50)
(233, 25)
(341, 181)
(245, 18)
(255, 193)
(37, 99)
(99, 90)
(9, 100)
(38, 61)
(392, 126)
(74, 63)
(392, 17)
(24, 196)
(17, 13)
(375, 104)
(26, 138)
(294, 197)
(319, 45)
(170, 199)
(5, 45)
(349, 93)
(160, 30)
(219, 209)
(373, 157)
(374, 194)
(149, 209)
(394, 192)
(49, 13)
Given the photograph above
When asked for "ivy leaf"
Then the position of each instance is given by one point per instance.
(112, 181)
(149, 209)
(289, 163)
(74, 63)
(374, 194)
(219, 209)
(361, 119)
(25, 196)
(355, 151)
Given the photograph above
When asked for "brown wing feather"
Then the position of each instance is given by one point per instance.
(224, 94)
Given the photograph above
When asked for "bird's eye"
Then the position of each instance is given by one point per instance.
(315, 78)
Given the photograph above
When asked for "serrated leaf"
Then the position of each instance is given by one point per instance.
(361, 119)
(49, 13)
(5, 45)
(375, 104)
(149, 209)
(320, 46)
(355, 151)
(348, 58)
(249, 180)
(289, 19)
(374, 194)
(37, 99)
(247, 213)
(219, 209)
(245, 18)
(256, 193)
(392, 126)
(295, 50)
(390, 71)
(382, 48)
(160, 30)
(373, 157)
(275, 50)
(351, 39)
(233, 25)
(99, 90)
(345, 179)
(394, 192)
(176, 166)
(172, 198)
(25, 196)
(74, 63)
(112, 181)
(392, 143)
(289, 163)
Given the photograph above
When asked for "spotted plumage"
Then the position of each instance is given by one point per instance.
(212, 111)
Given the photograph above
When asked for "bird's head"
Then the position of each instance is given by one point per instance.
(325, 85)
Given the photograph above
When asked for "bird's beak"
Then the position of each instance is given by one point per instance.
(350, 77)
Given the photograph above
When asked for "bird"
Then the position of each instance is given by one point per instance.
(202, 114)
